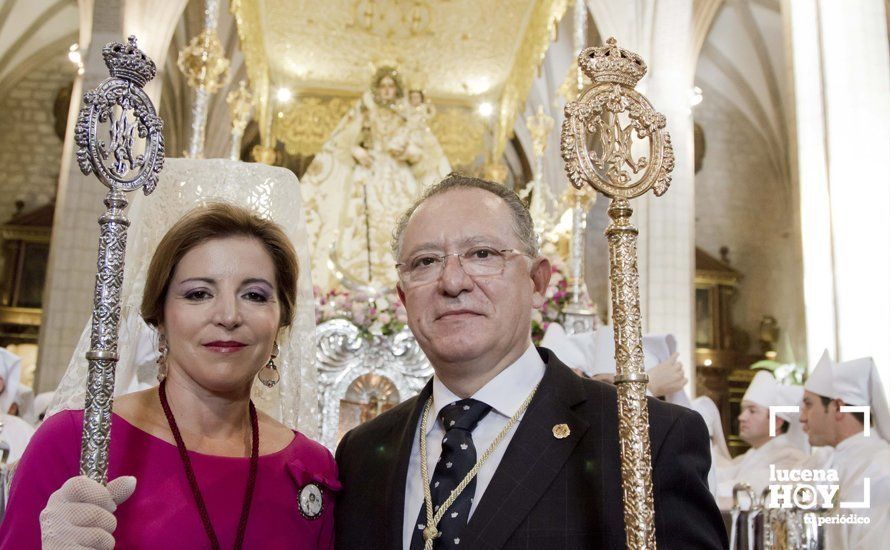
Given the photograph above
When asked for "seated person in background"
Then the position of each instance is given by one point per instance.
(13, 430)
(16, 433)
(10, 372)
(23, 404)
(212, 471)
(41, 404)
(784, 450)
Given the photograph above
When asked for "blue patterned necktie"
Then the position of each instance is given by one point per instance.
(457, 459)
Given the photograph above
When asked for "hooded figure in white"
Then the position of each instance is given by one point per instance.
(782, 448)
(10, 372)
(14, 431)
(593, 354)
(861, 454)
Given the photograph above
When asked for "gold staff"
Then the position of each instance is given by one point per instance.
(204, 64)
(121, 164)
(603, 131)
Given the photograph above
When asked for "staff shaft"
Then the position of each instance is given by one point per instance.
(102, 357)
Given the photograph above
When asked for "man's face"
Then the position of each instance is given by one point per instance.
(817, 422)
(754, 424)
(457, 318)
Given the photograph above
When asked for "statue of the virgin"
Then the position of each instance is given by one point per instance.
(373, 166)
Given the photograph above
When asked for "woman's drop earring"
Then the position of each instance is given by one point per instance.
(162, 358)
(269, 375)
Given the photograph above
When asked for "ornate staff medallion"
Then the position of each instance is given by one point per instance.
(598, 144)
(121, 103)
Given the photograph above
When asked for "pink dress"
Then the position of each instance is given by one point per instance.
(162, 512)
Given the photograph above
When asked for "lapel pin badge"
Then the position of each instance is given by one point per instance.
(561, 431)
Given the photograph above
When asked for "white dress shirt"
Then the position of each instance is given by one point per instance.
(505, 393)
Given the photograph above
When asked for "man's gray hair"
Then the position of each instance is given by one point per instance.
(522, 220)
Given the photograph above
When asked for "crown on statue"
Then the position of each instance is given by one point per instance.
(128, 62)
(612, 64)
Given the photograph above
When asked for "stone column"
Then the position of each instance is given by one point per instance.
(840, 75)
(667, 224)
(661, 32)
(71, 270)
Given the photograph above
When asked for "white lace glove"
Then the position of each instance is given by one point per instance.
(81, 513)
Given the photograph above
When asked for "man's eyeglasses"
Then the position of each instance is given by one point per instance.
(478, 261)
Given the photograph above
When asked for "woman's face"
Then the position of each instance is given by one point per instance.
(221, 314)
(386, 89)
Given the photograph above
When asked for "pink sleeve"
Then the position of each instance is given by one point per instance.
(332, 484)
(51, 457)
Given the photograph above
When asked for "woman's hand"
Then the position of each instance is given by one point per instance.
(81, 513)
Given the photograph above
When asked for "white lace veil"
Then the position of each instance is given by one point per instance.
(272, 193)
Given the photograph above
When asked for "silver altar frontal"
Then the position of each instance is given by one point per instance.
(360, 377)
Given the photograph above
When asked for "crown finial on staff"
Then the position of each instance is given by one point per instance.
(128, 62)
(612, 138)
(611, 63)
(121, 163)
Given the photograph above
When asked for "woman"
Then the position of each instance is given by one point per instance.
(192, 463)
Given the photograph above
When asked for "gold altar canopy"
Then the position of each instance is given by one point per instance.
(460, 52)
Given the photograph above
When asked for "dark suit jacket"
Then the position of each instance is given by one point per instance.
(546, 493)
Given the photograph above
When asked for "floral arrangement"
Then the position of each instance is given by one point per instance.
(382, 316)
(553, 310)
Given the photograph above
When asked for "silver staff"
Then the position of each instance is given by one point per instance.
(122, 165)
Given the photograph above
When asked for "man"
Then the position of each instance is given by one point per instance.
(469, 276)
(781, 450)
(857, 457)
